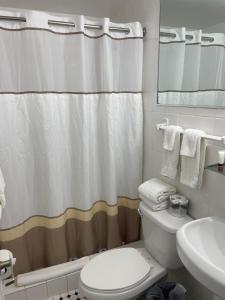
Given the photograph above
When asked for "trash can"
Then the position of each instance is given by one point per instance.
(165, 291)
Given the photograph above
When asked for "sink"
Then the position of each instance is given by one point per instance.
(201, 247)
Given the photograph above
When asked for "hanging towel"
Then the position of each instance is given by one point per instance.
(192, 152)
(156, 190)
(171, 151)
(154, 206)
(190, 141)
(170, 133)
(2, 190)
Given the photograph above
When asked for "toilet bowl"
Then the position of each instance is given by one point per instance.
(125, 273)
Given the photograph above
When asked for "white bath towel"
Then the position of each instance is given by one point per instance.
(154, 206)
(171, 151)
(189, 143)
(193, 151)
(170, 133)
(2, 190)
(156, 190)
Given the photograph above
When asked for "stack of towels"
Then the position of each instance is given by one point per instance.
(155, 193)
(184, 159)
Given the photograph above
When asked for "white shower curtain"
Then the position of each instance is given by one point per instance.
(191, 69)
(70, 136)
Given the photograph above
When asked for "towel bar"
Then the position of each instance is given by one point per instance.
(162, 126)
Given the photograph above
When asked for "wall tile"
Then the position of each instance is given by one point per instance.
(148, 170)
(38, 292)
(196, 122)
(216, 194)
(193, 287)
(57, 286)
(220, 113)
(152, 164)
(73, 281)
(219, 127)
(150, 102)
(149, 126)
(155, 135)
(199, 202)
(12, 289)
(20, 295)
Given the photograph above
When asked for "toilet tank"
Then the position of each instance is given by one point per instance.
(159, 235)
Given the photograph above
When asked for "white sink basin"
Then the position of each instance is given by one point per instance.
(201, 247)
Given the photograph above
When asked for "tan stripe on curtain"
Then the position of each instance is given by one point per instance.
(42, 241)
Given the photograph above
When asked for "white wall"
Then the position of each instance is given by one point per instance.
(192, 13)
(96, 8)
(220, 27)
(209, 200)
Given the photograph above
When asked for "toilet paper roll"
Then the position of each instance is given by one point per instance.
(5, 255)
(6, 264)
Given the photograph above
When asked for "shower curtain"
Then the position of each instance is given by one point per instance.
(70, 137)
(192, 69)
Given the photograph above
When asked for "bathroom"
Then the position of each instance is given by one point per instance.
(83, 113)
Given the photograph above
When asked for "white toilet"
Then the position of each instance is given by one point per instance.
(125, 273)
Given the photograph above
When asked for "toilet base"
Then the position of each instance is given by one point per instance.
(158, 273)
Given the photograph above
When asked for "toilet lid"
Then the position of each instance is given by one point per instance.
(115, 269)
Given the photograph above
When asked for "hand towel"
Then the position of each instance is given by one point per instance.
(190, 140)
(192, 167)
(170, 133)
(156, 190)
(171, 151)
(2, 190)
(154, 206)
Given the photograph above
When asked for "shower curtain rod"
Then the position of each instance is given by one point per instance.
(187, 36)
(72, 24)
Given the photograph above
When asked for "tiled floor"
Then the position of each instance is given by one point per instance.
(73, 295)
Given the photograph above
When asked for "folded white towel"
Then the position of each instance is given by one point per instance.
(156, 190)
(192, 167)
(171, 151)
(155, 206)
(2, 190)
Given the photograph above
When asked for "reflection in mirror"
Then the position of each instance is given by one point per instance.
(192, 54)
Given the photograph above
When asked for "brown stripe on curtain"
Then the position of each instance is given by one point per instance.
(41, 241)
(72, 33)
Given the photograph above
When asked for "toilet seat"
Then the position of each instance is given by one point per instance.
(115, 271)
(157, 273)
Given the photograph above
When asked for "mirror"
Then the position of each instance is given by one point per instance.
(192, 53)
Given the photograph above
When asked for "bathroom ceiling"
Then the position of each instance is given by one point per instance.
(192, 13)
